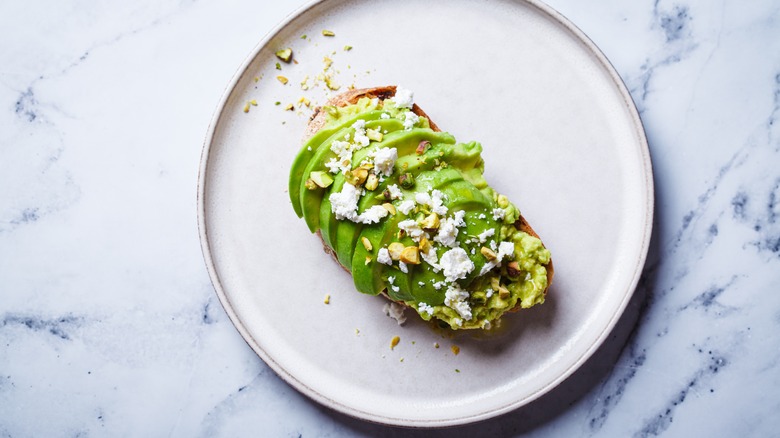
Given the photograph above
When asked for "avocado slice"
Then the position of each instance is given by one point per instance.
(368, 277)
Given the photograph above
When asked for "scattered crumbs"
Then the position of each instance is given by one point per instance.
(401, 360)
(357, 331)
(414, 342)
(246, 107)
(347, 48)
(304, 83)
(394, 342)
(455, 350)
(278, 66)
(304, 101)
(327, 61)
(282, 79)
(328, 33)
(457, 370)
(327, 299)
(257, 79)
(284, 54)
(277, 103)
(303, 37)
(435, 345)
(253, 102)
(289, 107)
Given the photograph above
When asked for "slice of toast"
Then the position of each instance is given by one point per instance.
(319, 118)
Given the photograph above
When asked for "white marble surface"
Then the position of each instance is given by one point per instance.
(109, 325)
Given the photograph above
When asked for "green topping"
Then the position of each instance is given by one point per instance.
(328, 33)
(284, 54)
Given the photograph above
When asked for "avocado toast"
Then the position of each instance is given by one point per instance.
(406, 210)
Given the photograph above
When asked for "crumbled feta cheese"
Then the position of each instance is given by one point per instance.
(421, 283)
(333, 165)
(395, 311)
(437, 203)
(424, 307)
(506, 249)
(395, 192)
(406, 206)
(372, 215)
(402, 267)
(487, 267)
(395, 288)
(489, 293)
(422, 198)
(456, 264)
(404, 97)
(438, 285)
(487, 233)
(413, 229)
(410, 119)
(383, 256)
(308, 148)
(431, 258)
(499, 213)
(482, 216)
(344, 203)
(384, 116)
(391, 279)
(456, 299)
(448, 229)
(457, 321)
(384, 160)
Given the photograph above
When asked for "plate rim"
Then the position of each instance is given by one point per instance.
(373, 417)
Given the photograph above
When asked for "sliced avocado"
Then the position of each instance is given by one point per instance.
(368, 276)
(328, 222)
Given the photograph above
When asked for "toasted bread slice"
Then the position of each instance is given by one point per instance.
(319, 118)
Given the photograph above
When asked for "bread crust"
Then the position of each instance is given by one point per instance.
(318, 120)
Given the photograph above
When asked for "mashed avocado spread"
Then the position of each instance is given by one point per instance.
(407, 210)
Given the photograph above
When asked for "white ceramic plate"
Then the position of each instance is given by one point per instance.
(562, 139)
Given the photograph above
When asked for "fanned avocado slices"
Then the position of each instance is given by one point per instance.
(407, 210)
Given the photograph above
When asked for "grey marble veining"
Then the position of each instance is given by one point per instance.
(108, 322)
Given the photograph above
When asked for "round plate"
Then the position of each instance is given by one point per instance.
(562, 139)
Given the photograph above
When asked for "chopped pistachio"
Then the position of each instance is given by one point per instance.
(372, 182)
(347, 48)
(357, 176)
(374, 134)
(278, 66)
(328, 33)
(366, 243)
(410, 255)
(246, 107)
(431, 222)
(321, 178)
(257, 78)
(277, 103)
(330, 84)
(284, 54)
(289, 107)
(282, 79)
(310, 184)
(253, 102)
(422, 147)
(368, 259)
(395, 249)
(425, 245)
(455, 349)
(327, 61)
(406, 180)
(390, 208)
(435, 345)
(503, 292)
(303, 100)
(488, 253)
(303, 37)
(327, 299)
(513, 269)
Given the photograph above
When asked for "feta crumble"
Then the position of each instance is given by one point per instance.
(424, 307)
(403, 268)
(383, 256)
(395, 311)
(456, 299)
(412, 228)
(487, 233)
(395, 192)
(404, 98)
(499, 213)
(410, 119)
(456, 264)
(384, 160)
(406, 206)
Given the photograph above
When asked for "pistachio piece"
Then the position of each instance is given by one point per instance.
(366, 243)
(327, 299)
(284, 54)
(394, 342)
(410, 255)
(395, 249)
(372, 182)
(282, 79)
(328, 33)
(488, 253)
(422, 147)
(406, 180)
(513, 269)
(361, 174)
(321, 178)
(390, 208)
(347, 48)
(278, 66)
(310, 184)
(495, 283)
(289, 107)
(425, 245)
(503, 292)
(431, 222)
(455, 350)
(368, 259)
(374, 134)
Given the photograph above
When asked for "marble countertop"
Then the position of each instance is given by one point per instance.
(109, 325)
